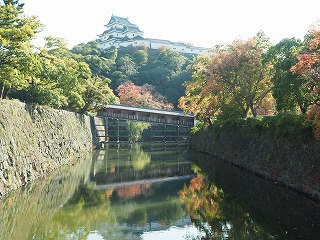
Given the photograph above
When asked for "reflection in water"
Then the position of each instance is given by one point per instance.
(217, 217)
(226, 202)
(133, 194)
(120, 194)
(26, 211)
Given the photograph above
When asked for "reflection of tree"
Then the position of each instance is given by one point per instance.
(216, 214)
(88, 195)
(31, 208)
(202, 201)
(133, 190)
(138, 217)
(83, 212)
(137, 129)
(139, 158)
(165, 213)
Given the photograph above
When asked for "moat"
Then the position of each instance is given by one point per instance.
(156, 193)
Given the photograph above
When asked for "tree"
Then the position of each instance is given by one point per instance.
(140, 57)
(14, 3)
(142, 96)
(172, 60)
(95, 91)
(308, 66)
(234, 76)
(127, 65)
(99, 61)
(16, 33)
(163, 69)
(204, 105)
(175, 87)
(40, 82)
(239, 72)
(288, 88)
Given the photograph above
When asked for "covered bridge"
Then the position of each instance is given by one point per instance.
(146, 115)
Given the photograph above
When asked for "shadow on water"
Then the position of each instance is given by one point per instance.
(236, 204)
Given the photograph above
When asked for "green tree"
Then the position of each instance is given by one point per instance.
(140, 57)
(172, 60)
(288, 88)
(127, 65)
(96, 90)
(14, 3)
(99, 61)
(16, 33)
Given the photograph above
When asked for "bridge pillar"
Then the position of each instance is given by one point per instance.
(178, 135)
(130, 135)
(106, 135)
(118, 132)
(165, 134)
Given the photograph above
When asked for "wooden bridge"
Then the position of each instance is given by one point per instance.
(113, 124)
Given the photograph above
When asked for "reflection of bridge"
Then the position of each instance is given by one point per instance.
(113, 124)
(125, 167)
(142, 182)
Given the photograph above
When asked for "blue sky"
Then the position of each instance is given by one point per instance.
(202, 22)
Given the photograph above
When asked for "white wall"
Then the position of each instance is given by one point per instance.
(153, 45)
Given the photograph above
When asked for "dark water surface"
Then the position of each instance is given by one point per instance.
(144, 193)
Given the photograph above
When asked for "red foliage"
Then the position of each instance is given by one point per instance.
(133, 191)
(309, 66)
(141, 96)
(313, 115)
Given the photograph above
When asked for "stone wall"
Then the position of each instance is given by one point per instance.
(37, 140)
(280, 159)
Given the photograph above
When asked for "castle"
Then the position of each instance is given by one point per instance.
(121, 32)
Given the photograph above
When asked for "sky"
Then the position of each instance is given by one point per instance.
(203, 23)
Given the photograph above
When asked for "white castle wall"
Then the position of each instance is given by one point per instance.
(155, 45)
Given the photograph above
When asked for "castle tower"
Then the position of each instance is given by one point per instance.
(120, 32)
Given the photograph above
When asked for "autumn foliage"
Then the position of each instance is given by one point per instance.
(309, 67)
(201, 199)
(233, 78)
(141, 96)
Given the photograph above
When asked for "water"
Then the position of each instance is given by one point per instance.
(144, 193)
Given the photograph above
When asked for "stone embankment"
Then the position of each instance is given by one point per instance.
(37, 140)
(282, 160)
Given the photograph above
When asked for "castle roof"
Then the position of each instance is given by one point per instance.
(131, 29)
(138, 38)
(121, 21)
(119, 39)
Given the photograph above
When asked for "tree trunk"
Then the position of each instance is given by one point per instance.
(2, 91)
(303, 109)
(245, 112)
(253, 111)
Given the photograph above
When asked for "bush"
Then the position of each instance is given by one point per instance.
(283, 125)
